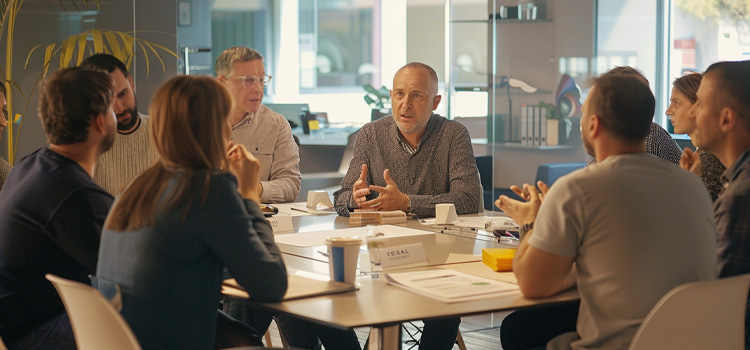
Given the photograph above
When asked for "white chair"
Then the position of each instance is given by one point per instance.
(96, 324)
(697, 315)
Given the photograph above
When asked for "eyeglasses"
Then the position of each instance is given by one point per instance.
(249, 80)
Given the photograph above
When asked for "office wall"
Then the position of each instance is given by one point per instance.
(41, 22)
(425, 42)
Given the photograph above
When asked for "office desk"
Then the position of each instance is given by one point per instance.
(440, 249)
(384, 307)
(322, 151)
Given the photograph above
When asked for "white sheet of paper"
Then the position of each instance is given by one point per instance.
(318, 238)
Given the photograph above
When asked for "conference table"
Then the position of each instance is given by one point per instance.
(384, 307)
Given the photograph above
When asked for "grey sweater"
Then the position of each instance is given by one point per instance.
(442, 170)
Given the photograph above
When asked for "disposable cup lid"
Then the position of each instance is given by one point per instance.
(343, 240)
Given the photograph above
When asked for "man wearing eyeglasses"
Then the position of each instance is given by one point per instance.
(265, 133)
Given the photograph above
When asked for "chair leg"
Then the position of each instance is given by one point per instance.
(460, 341)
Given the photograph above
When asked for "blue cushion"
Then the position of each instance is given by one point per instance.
(549, 173)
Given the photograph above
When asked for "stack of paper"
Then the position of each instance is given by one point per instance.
(450, 286)
(362, 218)
(498, 259)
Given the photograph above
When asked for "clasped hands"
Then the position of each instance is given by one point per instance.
(389, 197)
(246, 168)
(523, 212)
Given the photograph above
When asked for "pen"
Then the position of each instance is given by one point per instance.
(297, 209)
(323, 253)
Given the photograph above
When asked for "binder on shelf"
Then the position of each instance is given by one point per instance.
(535, 124)
(542, 126)
(553, 130)
(524, 126)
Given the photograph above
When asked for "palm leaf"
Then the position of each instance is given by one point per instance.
(113, 44)
(98, 43)
(81, 48)
(15, 85)
(69, 47)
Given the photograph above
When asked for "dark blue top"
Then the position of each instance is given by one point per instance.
(52, 214)
(170, 273)
(732, 212)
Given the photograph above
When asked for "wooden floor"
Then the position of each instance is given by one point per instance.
(479, 333)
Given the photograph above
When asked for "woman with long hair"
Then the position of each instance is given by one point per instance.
(683, 97)
(177, 225)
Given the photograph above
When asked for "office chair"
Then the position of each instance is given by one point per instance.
(697, 315)
(96, 324)
(549, 173)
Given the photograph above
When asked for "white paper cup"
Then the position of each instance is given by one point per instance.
(343, 254)
(445, 213)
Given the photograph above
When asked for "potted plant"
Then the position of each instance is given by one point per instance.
(70, 52)
(379, 101)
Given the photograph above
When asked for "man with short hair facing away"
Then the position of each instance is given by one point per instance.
(52, 211)
(132, 151)
(721, 115)
(265, 133)
(614, 226)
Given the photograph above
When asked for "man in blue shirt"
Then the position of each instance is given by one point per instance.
(52, 211)
(721, 114)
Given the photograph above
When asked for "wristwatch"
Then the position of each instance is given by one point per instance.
(525, 228)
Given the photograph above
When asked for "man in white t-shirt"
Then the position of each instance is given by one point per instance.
(616, 228)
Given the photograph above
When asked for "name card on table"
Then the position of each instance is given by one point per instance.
(400, 255)
(281, 223)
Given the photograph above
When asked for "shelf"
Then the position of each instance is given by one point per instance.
(514, 20)
(520, 146)
(469, 21)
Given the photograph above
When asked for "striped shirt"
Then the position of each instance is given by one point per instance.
(660, 144)
(441, 169)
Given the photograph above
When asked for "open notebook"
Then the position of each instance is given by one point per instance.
(299, 287)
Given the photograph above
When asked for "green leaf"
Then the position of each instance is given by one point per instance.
(67, 52)
(370, 89)
(384, 92)
(114, 44)
(15, 85)
(81, 48)
(98, 43)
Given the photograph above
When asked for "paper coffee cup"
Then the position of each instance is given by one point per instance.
(445, 213)
(343, 254)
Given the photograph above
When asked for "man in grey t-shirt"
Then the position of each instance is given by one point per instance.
(612, 228)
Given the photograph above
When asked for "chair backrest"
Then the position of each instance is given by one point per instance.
(549, 173)
(96, 324)
(697, 315)
(346, 158)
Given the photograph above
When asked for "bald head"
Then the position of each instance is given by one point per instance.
(432, 86)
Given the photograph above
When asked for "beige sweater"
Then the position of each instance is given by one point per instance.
(129, 155)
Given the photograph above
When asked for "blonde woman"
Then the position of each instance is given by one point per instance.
(178, 224)
(683, 98)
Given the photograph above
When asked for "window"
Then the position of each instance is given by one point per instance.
(336, 45)
(705, 32)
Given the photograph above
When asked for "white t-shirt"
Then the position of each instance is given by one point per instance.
(637, 226)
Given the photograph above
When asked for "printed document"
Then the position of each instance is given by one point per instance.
(450, 286)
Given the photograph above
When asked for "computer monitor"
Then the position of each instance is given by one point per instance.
(290, 111)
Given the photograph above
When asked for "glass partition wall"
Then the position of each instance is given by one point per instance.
(509, 64)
